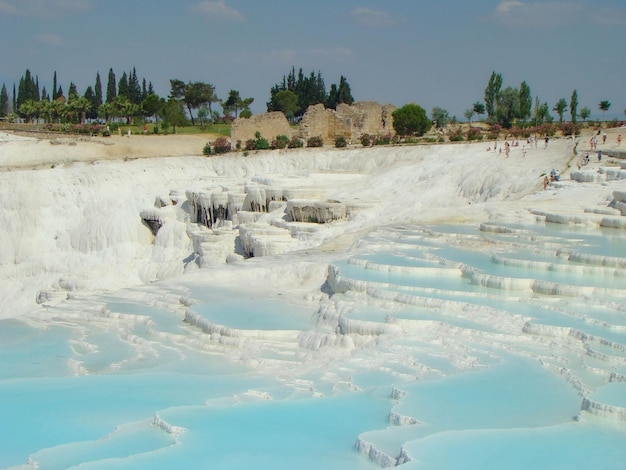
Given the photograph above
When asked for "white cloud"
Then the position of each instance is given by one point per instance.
(216, 10)
(43, 8)
(538, 14)
(50, 39)
(508, 6)
(370, 17)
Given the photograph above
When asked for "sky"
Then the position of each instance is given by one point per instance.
(433, 53)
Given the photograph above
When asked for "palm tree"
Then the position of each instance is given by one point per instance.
(29, 109)
(47, 110)
(78, 108)
(604, 106)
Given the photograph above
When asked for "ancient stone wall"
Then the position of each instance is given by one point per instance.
(319, 121)
(368, 117)
(349, 121)
(268, 124)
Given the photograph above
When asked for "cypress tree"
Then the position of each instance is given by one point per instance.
(28, 89)
(134, 89)
(73, 92)
(333, 97)
(21, 94)
(573, 106)
(4, 101)
(122, 87)
(344, 93)
(55, 94)
(90, 95)
(98, 91)
(111, 87)
(525, 101)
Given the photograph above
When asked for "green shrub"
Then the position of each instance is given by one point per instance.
(315, 141)
(250, 144)
(456, 135)
(548, 129)
(569, 128)
(155, 129)
(382, 139)
(261, 144)
(84, 129)
(494, 132)
(280, 142)
(411, 119)
(258, 143)
(221, 145)
(341, 142)
(206, 150)
(474, 133)
(295, 143)
(366, 140)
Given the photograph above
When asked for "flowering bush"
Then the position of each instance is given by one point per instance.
(280, 142)
(548, 129)
(315, 141)
(295, 143)
(341, 142)
(221, 145)
(569, 128)
(494, 131)
(250, 144)
(474, 133)
(456, 135)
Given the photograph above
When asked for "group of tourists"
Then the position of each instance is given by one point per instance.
(507, 148)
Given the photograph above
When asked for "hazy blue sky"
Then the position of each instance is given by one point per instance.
(434, 53)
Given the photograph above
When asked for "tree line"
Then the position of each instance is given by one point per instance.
(123, 99)
(131, 97)
(296, 93)
(508, 106)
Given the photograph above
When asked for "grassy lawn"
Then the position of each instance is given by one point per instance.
(221, 129)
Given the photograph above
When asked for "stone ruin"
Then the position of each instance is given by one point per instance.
(268, 124)
(349, 121)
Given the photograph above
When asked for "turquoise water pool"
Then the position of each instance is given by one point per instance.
(415, 361)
